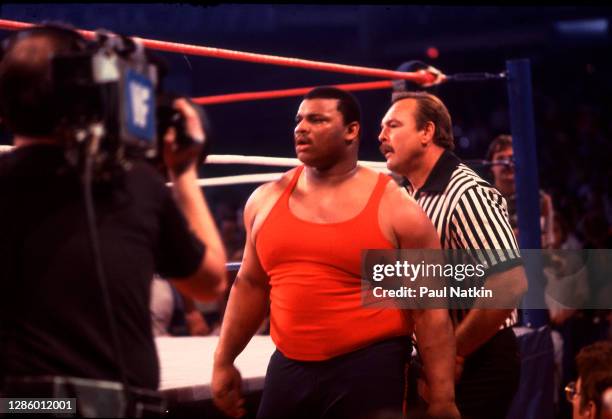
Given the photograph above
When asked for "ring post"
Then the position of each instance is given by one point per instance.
(527, 183)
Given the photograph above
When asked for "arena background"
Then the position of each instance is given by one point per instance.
(568, 46)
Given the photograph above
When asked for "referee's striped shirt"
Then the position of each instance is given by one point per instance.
(468, 213)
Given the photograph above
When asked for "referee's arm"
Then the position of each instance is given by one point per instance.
(482, 223)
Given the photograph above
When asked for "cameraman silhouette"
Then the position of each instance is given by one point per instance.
(74, 297)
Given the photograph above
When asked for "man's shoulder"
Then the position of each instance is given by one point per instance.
(396, 193)
(464, 180)
(398, 206)
(264, 198)
(269, 191)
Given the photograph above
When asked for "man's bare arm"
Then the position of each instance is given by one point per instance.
(433, 327)
(210, 280)
(249, 297)
(434, 334)
(246, 309)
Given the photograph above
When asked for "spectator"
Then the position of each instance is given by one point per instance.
(594, 381)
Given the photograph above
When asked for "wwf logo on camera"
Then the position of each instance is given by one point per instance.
(139, 110)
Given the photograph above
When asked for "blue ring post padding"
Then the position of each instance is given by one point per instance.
(527, 184)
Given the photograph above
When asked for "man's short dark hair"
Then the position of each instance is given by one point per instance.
(499, 143)
(348, 105)
(28, 96)
(431, 109)
(594, 364)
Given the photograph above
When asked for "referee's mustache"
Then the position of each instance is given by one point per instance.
(385, 148)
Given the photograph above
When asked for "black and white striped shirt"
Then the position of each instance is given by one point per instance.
(468, 213)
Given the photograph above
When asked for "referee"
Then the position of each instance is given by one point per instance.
(468, 213)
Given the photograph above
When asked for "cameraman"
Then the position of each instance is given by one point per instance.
(53, 319)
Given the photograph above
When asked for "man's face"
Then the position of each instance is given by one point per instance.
(400, 141)
(503, 174)
(320, 133)
(588, 411)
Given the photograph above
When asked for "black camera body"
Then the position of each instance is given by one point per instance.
(116, 88)
(105, 99)
(109, 91)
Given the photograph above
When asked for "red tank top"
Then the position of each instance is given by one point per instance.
(315, 278)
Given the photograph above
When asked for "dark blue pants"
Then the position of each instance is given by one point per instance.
(362, 384)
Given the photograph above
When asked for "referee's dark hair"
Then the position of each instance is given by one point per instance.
(431, 109)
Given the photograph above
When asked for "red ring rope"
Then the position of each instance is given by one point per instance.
(421, 78)
(271, 94)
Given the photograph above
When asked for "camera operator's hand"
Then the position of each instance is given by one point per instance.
(179, 159)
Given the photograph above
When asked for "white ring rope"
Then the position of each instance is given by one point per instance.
(258, 177)
(263, 161)
(273, 161)
(252, 160)
(239, 179)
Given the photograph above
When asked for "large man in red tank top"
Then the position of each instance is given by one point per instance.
(305, 232)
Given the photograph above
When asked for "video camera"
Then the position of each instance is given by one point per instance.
(110, 105)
